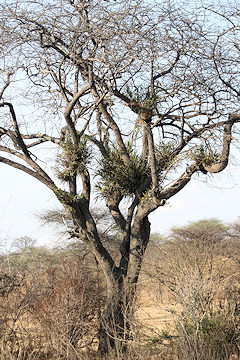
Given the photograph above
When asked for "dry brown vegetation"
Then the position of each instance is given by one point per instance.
(187, 306)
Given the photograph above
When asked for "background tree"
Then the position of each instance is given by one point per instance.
(23, 243)
(133, 99)
(197, 268)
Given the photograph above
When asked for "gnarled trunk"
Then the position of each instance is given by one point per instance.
(112, 331)
(115, 323)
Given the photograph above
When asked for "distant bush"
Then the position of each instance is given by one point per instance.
(199, 269)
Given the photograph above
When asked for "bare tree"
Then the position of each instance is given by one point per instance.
(136, 99)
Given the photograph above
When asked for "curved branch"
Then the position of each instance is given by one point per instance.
(49, 183)
(227, 137)
(68, 110)
(235, 118)
(19, 143)
(113, 205)
(112, 125)
(157, 76)
(181, 182)
(159, 198)
(7, 83)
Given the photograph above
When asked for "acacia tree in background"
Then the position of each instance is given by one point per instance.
(136, 99)
(198, 269)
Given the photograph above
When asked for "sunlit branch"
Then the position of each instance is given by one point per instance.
(47, 181)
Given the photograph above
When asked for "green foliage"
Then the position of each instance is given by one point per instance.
(164, 154)
(206, 155)
(143, 97)
(64, 197)
(117, 177)
(203, 231)
(72, 160)
(215, 336)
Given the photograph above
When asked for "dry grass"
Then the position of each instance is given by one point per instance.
(50, 309)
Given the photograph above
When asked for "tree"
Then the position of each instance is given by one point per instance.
(198, 267)
(23, 243)
(135, 98)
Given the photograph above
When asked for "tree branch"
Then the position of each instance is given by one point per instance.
(125, 246)
(165, 72)
(227, 137)
(19, 143)
(7, 83)
(49, 183)
(112, 125)
(68, 110)
(152, 157)
(157, 199)
(113, 205)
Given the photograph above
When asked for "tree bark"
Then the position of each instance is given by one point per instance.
(112, 331)
(139, 240)
(119, 307)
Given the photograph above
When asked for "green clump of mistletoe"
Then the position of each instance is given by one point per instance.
(206, 155)
(72, 159)
(164, 153)
(142, 96)
(117, 177)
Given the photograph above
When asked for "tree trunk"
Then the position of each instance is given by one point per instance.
(139, 241)
(116, 318)
(112, 332)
